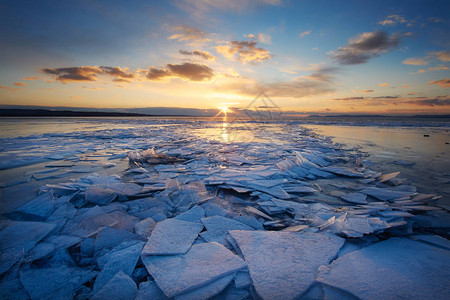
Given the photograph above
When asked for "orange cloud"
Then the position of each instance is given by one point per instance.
(367, 91)
(186, 71)
(433, 69)
(190, 35)
(384, 84)
(443, 55)
(31, 78)
(443, 83)
(20, 84)
(415, 61)
(244, 51)
(9, 89)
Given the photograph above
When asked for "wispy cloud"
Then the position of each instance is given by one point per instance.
(200, 10)
(392, 20)
(244, 51)
(415, 61)
(31, 78)
(443, 83)
(384, 84)
(186, 71)
(442, 55)
(397, 100)
(202, 54)
(20, 84)
(366, 46)
(9, 89)
(190, 35)
(439, 68)
(305, 33)
(366, 91)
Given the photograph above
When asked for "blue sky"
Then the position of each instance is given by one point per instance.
(309, 56)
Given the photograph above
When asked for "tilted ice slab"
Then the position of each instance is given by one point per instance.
(17, 238)
(55, 282)
(122, 260)
(171, 237)
(89, 222)
(283, 265)
(392, 269)
(203, 264)
(217, 228)
(120, 287)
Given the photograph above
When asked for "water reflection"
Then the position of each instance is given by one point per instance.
(225, 136)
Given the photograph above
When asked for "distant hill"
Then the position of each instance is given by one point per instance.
(63, 113)
(381, 116)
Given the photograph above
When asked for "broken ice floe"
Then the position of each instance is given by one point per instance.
(171, 214)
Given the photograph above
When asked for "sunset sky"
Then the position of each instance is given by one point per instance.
(380, 57)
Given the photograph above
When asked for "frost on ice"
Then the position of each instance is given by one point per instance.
(170, 213)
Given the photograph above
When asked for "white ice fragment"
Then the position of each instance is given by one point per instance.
(294, 259)
(120, 287)
(295, 228)
(204, 263)
(395, 268)
(171, 237)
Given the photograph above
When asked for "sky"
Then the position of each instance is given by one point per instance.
(308, 57)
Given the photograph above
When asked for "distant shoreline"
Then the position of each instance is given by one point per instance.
(70, 113)
(17, 112)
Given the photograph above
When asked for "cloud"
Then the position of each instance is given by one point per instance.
(392, 20)
(264, 38)
(297, 88)
(20, 84)
(200, 9)
(305, 33)
(439, 68)
(244, 51)
(31, 78)
(443, 83)
(349, 98)
(415, 61)
(69, 74)
(9, 89)
(202, 54)
(186, 71)
(121, 80)
(366, 46)
(443, 55)
(396, 100)
(432, 102)
(324, 74)
(190, 35)
(86, 73)
(434, 20)
(367, 91)
(384, 84)
(118, 72)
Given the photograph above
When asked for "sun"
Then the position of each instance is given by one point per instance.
(224, 109)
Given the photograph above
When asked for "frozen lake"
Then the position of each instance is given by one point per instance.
(233, 209)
